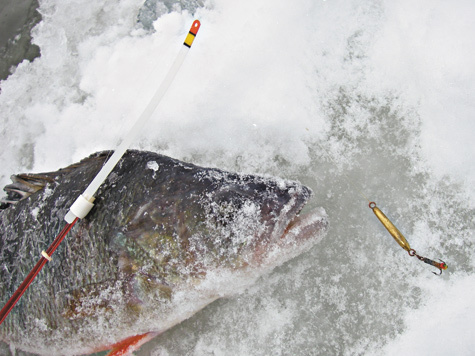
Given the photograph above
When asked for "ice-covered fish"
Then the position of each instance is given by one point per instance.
(164, 239)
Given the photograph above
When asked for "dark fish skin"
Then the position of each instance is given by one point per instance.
(141, 260)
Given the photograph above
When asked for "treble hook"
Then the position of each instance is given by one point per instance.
(440, 265)
(401, 240)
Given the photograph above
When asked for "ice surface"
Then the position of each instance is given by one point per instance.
(347, 96)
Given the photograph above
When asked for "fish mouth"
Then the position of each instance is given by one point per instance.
(297, 232)
(305, 226)
(298, 226)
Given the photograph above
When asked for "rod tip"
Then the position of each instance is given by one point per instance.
(195, 26)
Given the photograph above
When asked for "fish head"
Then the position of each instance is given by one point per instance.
(193, 235)
(254, 221)
(196, 219)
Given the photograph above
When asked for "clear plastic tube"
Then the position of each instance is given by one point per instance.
(138, 126)
(83, 203)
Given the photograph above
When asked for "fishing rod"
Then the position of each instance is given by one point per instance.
(84, 202)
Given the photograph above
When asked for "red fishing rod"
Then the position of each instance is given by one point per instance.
(84, 202)
(46, 256)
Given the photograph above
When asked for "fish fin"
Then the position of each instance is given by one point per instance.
(24, 185)
(98, 157)
(131, 344)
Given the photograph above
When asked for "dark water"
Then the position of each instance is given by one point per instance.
(17, 18)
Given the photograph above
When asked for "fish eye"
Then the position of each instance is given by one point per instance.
(225, 210)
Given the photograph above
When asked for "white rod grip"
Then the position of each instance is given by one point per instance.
(80, 208)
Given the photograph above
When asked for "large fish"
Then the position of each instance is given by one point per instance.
(164, 239)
